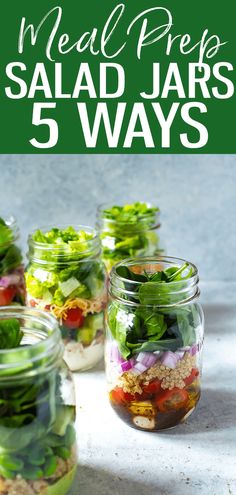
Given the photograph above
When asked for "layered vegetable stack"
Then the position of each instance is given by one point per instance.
(37, 435)
(12, 285)
(154, 347)
(64, 277)
(128, 231)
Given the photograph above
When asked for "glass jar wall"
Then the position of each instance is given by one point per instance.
(128, 231)
(38, 453)
(154, 342)
(12, 284)
(66, 276)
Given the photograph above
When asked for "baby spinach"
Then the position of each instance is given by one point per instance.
(29, 407)
(10, 333)
(152, 325)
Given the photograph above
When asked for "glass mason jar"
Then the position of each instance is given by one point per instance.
(154, 342)
(128, 231)
(38, 453)
(69, 280)
(12, 284)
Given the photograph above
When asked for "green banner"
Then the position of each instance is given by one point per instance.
(103, 76)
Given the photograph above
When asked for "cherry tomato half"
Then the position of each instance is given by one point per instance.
(7, 295)
(118, 395)
(190, 379)
(74, 318)
(152, 389)
(172, 399)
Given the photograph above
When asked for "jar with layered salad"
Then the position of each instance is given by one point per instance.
(12, 284)
(38, 453)
(154, 342)
(66, 277)
(130, 230)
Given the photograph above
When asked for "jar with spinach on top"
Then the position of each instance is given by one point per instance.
(155, 329)
(38, 453)
(130, 230)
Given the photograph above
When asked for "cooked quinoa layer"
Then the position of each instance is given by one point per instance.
(170, 378)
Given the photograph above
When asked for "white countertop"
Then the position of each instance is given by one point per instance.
(196, 458)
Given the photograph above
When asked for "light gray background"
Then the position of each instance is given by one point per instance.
(196, 194)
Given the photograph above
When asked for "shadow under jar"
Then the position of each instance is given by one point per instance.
(155, 330)
(130, 230)
(12, 283)
(38, 453)
(66, 276)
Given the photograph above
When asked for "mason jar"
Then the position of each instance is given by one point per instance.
(131, 230)
(155, 329)
(12, 284)
(68, 279)
(38, 453)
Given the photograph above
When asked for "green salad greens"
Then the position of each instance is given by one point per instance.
(61, 280)
(36, 427)
(66, 276)
(128, 231)
(61, 242)
(10, 255)
(10, 333)
(151, 323)
(137, 215)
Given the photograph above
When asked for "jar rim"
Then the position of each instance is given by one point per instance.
(186, 289)
(48, 347)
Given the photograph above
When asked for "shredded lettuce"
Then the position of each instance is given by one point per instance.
(65, 275)
(131, 213)
(67, 236)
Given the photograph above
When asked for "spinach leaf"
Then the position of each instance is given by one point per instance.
(10, 333)
(124, 272)
(5, 233)
(12, 259)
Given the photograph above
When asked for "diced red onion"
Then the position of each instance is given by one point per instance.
(170, 359)
(9, 280)
(148, 359)
(193, 350)
(180, 354)
(139, 368)
(127, 365)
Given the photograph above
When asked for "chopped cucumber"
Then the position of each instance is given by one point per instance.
(92, 324)
(85, 335)
(69, 286)
(95, 322)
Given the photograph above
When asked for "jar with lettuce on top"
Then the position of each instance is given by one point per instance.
(66, 277)
(153, 354)
(38, 448)
(129, 230)
(12, 284)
